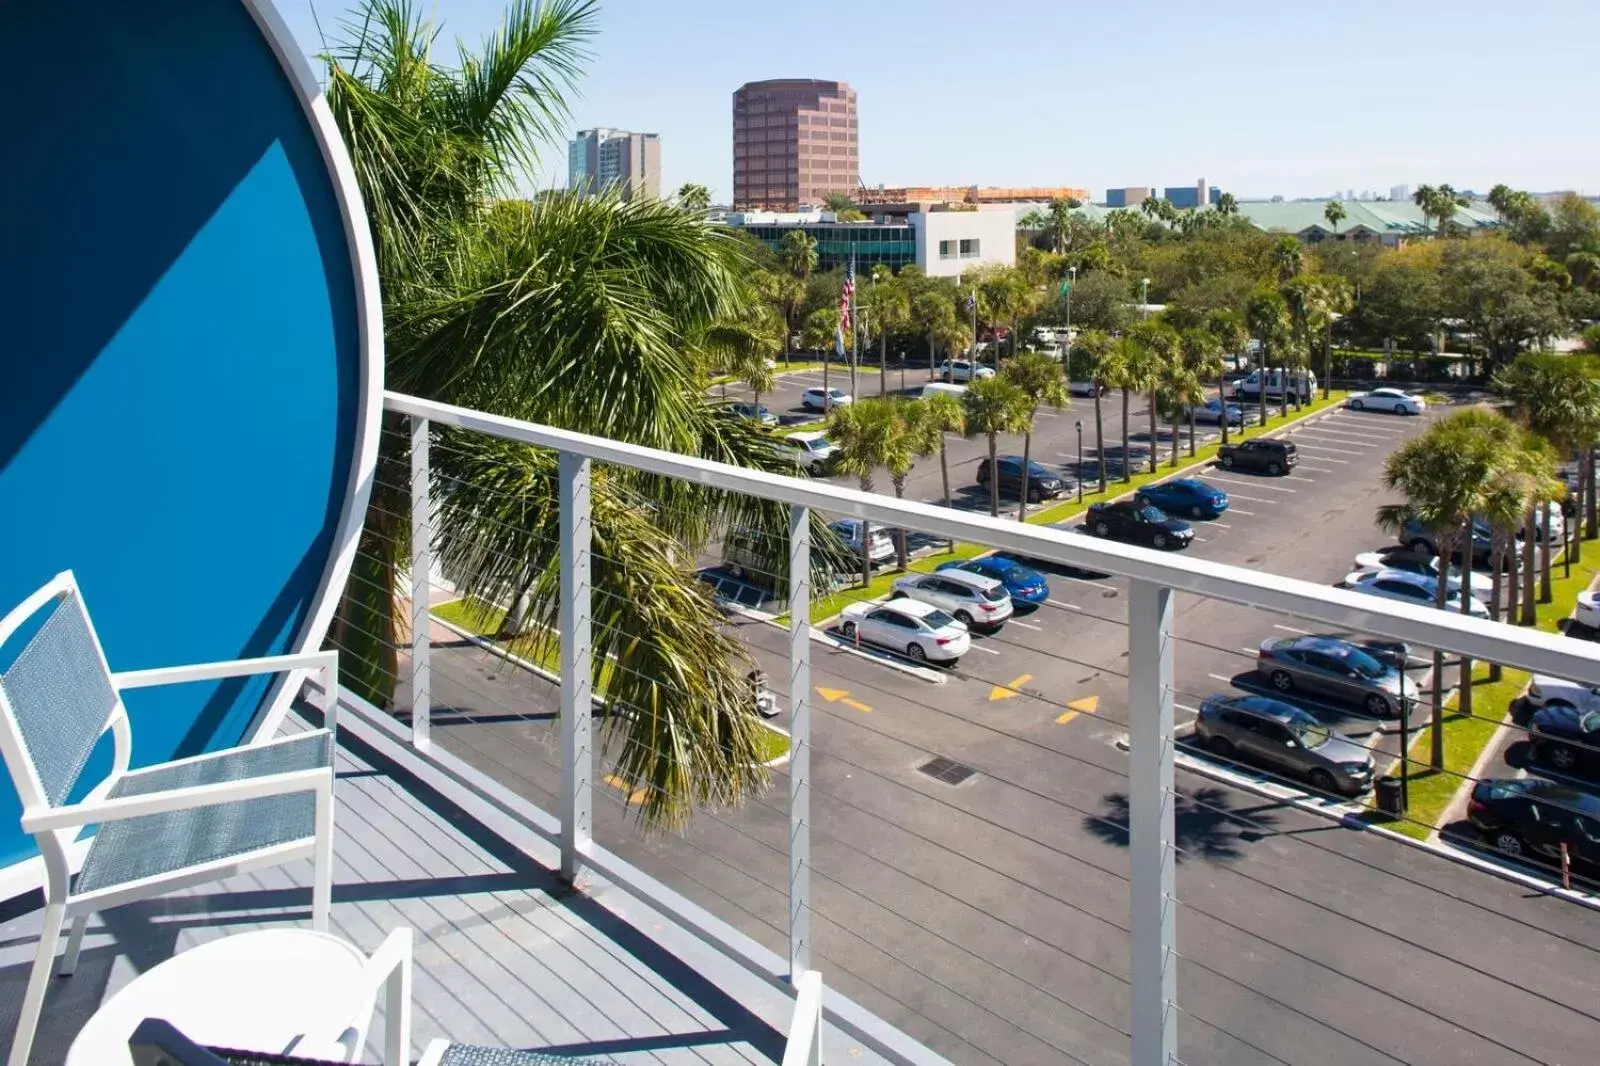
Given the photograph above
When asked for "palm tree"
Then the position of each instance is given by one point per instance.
(917, 434)
(838, 202)
(1227, 205)
(692, 196)
(1103, 354)
(946, 414)
(1268, 316)
(570, 311)
(864, 434)
(1039, 377)
(994, 406)
(1155, 350)
(1202, 359)
(1123, 370)
(1288, 258)
(1447, 475)
(1234, 336)
(888, 309)
(935, 316)
(1058, 222)
(1334, 213)
(797, 251)
(1439, 203)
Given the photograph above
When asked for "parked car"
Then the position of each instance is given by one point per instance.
(1210, 413)
(1138, 523)
(1566, 736)
(972, 599)
(1337, 669)
(881, 543)
(1420, 538)
(935, 387)
(812, 450)
(964, 370)
(1185, 495)
(818, 399)
(1042, 482)
(754, 412)
(1022, 583)
(1265, 454)
(1276, 736)
(1547, 691)
(1398, 401)
(1411, 562)
(1086, 388)
(920, 630)
(1414, 588)
(1531, 819)
(1302, 385)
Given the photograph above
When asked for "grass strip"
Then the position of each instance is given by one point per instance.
(1433, 791)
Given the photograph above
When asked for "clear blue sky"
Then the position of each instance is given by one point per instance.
(1286, 97)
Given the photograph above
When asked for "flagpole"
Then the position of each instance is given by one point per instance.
(855, 329)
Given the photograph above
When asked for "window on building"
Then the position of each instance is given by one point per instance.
(947, 249)
(969, 247)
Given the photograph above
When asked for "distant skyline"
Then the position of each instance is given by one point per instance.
(1258, 98)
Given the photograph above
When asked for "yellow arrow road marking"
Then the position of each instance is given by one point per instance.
(862, 707)
(832, 695)
(1086, 705)
(1005, 692)
(635, 798)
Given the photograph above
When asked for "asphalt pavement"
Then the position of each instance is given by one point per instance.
(986, 914)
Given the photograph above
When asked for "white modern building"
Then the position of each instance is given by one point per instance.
(952, 242)
(940, 242)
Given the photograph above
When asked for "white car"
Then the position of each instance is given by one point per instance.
(963, 370)
(880, 544)
(1398, 401)
(820, 399)
(921, 631)
(812, 450)
(1401, 559)
(973, 599)
(1412, 588)
(1543, 690)
(1086, 388)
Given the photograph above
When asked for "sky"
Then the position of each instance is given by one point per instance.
(1289, 97)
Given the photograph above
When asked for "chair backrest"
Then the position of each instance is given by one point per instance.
(56, 696)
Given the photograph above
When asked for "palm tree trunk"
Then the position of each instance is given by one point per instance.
(1436, 697)
(1222, 401)
(994, 478)
(1497, 559)
(1529, 569)
(1191, 434)
(827, 397)
(1545, 552)
(1127, 461)
(883, 370)
(1465, 702)
(1513, 579)
(1174, 444)
(1027, 458)
(932, 370)
(866, 540)
(1266, 376)
(944, 470)
(901, 554)
(1591, 511)
(1099, 439)
(1155, 445)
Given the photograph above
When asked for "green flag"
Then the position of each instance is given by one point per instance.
(1066, 286)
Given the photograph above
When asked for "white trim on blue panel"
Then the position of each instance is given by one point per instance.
(369, 333)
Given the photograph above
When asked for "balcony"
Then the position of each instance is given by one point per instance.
(1063, 903)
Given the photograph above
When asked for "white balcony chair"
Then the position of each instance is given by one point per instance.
(162, 827)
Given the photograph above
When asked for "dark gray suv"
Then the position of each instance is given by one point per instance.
(1284, 739)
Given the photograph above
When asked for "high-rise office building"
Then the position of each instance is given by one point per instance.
(603, 158)
(794, 142)
(1400, 192)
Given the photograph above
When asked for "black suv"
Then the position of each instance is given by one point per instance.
(1263, 453)
(1531, 819)
(1139, 523)
(1042, 484)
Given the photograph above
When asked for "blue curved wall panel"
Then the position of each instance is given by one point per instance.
(180, 366)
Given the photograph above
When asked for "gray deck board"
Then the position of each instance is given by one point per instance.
(506, 954)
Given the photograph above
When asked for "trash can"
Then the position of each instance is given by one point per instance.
(1390, 800)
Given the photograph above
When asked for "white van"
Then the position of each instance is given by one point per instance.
(1302, 385)
(933, 388)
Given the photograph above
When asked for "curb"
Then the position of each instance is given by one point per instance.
(822, 636)
(1301, 802)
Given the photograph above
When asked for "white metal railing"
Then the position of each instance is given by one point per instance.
(805, 1032)
(1154, 578)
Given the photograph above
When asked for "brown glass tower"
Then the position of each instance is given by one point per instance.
(794, 142)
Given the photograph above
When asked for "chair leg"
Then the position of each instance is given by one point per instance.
(322, 862)
(69, 961)
(38, 980)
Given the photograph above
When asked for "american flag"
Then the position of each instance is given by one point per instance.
(845, 299)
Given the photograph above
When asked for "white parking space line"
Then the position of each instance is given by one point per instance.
(1348, 425)
(1028, 625)
(1219, 677)
(1068, 606)
(1267, 488)
(1219, 525)
(1091, 584)
(1241, 510)
(1251, 651)
(1307, 480)
(1339, 436)
(1291, 629)
(980, 647)
(1241, 496)
(1327, 448)
(1324, 459)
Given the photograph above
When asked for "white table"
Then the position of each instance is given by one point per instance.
(276, 990)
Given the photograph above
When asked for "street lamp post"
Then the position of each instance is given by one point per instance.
(1327, 354)
(1080, 460)
(1144, 296)
(1072, 273)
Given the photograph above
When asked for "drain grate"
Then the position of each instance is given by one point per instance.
(946, 770)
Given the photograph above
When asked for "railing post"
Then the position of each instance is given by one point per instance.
(421, 571)
(799, 741)
(577, 707)
(1151, 833)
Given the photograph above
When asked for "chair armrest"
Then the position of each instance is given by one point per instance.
(270, 664)
(388, 971)
(43, 819)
